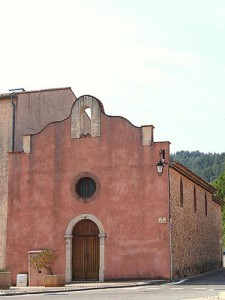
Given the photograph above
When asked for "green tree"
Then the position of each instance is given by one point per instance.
(219, 184)
(206, 165)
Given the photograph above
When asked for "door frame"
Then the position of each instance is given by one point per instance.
(69, 250)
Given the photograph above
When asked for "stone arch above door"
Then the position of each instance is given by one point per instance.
(77, 126)
(69, 236)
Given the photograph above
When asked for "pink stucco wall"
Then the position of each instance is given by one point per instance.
(131, 199)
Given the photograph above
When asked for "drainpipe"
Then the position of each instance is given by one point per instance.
(14, 114)
(13, 121)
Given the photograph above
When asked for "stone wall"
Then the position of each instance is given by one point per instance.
(196, 233)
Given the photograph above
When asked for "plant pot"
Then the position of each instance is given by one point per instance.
(54, 280)
(5, 280)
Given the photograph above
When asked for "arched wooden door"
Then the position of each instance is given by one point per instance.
(85, 251)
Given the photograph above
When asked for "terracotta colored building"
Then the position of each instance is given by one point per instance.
(21, 113)
(87, 187)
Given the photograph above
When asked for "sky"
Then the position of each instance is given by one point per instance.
(154, 62)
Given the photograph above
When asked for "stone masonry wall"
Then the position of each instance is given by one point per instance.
(196, 237)
(5, 146)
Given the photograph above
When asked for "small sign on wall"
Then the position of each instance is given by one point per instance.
(162, 220)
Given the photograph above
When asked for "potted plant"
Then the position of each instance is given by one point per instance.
(44, 260)
(5, 279)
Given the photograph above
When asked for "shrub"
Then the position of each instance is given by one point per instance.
(43, 260)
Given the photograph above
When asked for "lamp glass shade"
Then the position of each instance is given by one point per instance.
(159, 168)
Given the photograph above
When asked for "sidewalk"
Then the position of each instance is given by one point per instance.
(76, 287)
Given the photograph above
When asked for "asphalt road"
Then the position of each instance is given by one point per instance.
(207, 285)
(163, 292)
(211, 278)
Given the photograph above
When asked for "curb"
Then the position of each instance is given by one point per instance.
(13, 292)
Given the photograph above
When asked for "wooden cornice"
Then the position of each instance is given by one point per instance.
(218, 200)
(191, 176)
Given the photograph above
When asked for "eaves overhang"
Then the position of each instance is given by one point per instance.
(5, 96)
(45, 90)
(192, 176)
(8, 95)
(218, 200)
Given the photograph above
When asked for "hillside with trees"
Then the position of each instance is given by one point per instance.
(219, 184)
(206, 165)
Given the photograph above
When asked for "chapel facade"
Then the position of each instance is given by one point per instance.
(87, 187)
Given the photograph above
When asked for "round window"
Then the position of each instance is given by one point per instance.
(85, 187)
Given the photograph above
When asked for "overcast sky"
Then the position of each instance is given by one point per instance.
(158, 62)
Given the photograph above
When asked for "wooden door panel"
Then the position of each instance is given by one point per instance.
(86, 251)
(85, 227)
(92, 270)
(79, 246)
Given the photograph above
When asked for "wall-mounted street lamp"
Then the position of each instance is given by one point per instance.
(160, 167)
(160, 164)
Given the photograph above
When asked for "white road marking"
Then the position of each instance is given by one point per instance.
(133, 287)
(181, 281)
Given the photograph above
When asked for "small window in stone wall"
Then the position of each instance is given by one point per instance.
(195, 200)
(181, 193)
(206, 205)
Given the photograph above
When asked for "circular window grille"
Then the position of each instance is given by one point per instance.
(85, 187)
